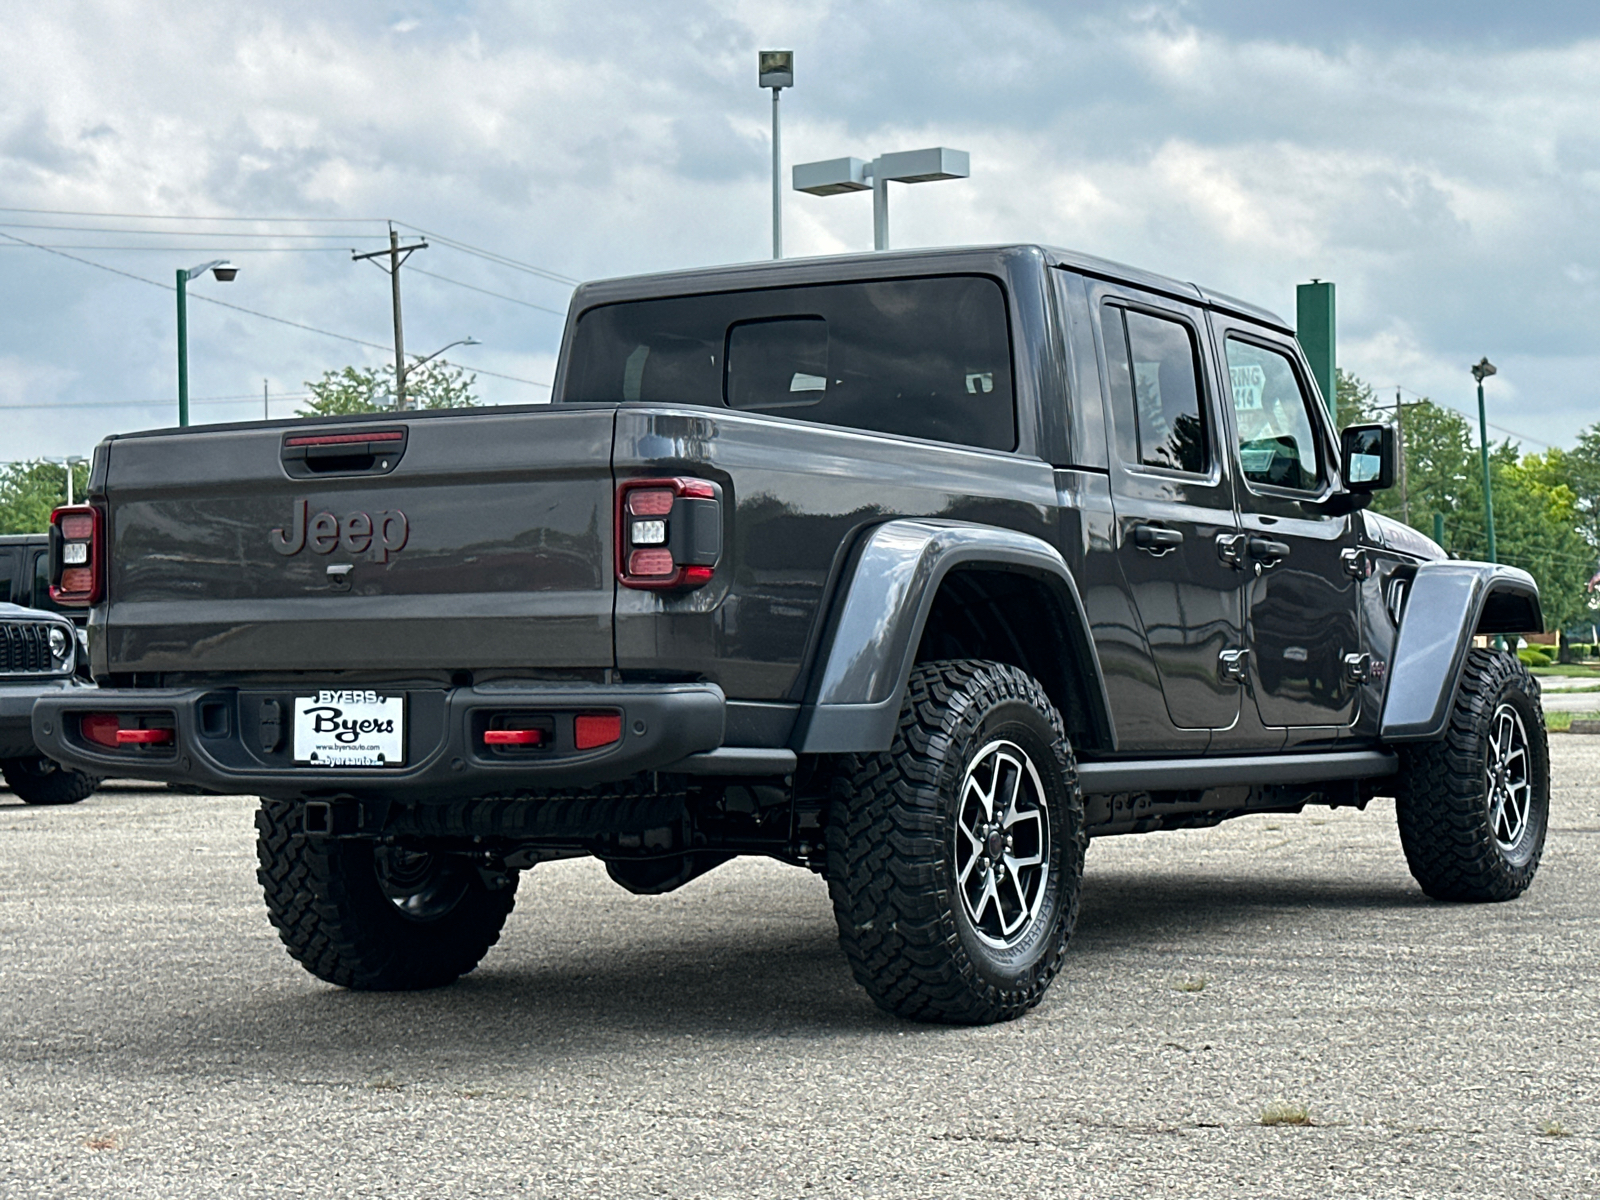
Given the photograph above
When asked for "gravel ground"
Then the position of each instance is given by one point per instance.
(156, 1041)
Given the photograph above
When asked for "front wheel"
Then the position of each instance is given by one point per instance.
(41, 781)
(1473, 807)
(374, 917)
(955, 858)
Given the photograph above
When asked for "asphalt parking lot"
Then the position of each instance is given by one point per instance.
(156, 1041)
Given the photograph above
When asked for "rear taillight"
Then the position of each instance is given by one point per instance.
(77, 556)
(669, 533)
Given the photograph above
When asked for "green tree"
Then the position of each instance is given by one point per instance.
(1355, 402)
(371, 389)
(1546, 506)
(29, 490)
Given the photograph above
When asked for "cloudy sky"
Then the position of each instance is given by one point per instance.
(1439, 160)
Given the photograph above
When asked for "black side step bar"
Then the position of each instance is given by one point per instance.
(1188, 774)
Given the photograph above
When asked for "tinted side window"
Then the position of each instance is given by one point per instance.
(1120, 382)
(926, 357)
(1155, 390)
(1277, 442)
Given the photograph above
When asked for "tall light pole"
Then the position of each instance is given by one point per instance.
(836, 176)
(427, 358)
(776, 71)
(224, 272)
(1482, 371)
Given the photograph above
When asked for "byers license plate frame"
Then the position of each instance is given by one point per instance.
(350, 728)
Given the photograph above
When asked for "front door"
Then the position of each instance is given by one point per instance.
(1172, 490)
(1300, 564)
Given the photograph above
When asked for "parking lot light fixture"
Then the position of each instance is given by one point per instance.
(1482, 371)
(834, 176)
(224, 272)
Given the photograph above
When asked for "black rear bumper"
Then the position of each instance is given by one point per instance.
(237, 740)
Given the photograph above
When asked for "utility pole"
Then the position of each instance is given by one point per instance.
(266, 414)
(397, 255)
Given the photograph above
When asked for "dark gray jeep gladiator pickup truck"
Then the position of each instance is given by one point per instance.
(916, 570)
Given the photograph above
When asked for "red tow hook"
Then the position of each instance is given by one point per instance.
(144, 737)
(512, 737)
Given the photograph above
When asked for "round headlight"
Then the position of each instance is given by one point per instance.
(60, 642)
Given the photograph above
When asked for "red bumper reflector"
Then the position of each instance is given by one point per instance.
(99, 728)
(596, 729)
(143, 737)
(513, 737)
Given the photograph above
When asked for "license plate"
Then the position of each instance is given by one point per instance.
(349, 729)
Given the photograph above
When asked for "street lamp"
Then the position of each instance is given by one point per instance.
(838, 175)
(1482, 371)
(775, 70)
(224, 272)
(400, 383)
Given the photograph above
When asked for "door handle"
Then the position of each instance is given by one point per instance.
(1267, 550)
(1156, 538)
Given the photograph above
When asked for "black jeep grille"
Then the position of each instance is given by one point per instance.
(25, 648)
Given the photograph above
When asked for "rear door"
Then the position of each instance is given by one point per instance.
(1301, 567)
(1172, 489)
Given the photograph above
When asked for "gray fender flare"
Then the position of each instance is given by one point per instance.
(859, 682)
(1448, 603)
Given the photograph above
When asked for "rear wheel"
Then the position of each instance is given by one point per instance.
(954, 858)
(1474, 806)
(372, 917)
(41, 781)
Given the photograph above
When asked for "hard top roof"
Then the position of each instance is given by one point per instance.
(898, 263)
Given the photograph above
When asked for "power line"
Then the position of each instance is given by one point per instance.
(1463, 412)
(485, 291)
(495, 374)
(64, 212)
(492, 255)
(169, 400)
(167, 287)
(177, 232)
(184, 249)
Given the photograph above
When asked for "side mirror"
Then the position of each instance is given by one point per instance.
(1366, 457)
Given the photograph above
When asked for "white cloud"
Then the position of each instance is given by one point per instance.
(1451, 206)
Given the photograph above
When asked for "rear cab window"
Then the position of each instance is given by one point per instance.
(927, 357)
(1154, 378)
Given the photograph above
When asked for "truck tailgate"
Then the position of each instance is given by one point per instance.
(488, 543)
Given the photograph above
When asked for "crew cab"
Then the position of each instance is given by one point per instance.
(918, 570)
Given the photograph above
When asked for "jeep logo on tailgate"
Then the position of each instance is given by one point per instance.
(383, 533)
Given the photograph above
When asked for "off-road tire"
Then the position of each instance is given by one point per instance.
(1444, 800)
(41, 781)
(326, 901)
(892, 870)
